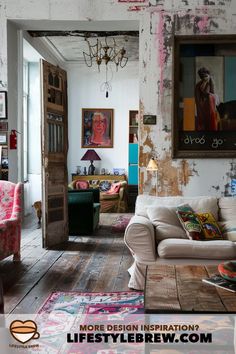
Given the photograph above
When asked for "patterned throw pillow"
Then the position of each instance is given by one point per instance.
(82, 185)
(94, 183)
(104, 186)
(185, 207)
(115, 187)
(191, 225)
(209, 226)
(228, 229)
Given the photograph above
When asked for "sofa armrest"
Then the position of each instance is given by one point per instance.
(4, 224)
(140, 239)
(122, 191)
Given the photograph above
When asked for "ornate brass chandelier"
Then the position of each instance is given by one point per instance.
(105, 53)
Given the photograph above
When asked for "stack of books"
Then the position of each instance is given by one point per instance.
(220, 282)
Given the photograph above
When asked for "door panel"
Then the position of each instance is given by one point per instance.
(54, 154)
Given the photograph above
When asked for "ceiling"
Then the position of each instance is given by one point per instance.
(70, 45)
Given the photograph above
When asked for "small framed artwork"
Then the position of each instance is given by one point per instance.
(233, 186)
(118, 171)
(149, 119)
(97, 128)
(3, 138)
(3, 105)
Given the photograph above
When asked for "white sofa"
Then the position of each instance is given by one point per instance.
(154, 237)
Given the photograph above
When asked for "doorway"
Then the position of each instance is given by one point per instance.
(84, 90)
(31, 128)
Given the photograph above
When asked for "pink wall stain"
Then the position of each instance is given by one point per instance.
(203, 24)
(136, 8)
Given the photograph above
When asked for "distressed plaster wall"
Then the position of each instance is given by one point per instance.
(159, 21)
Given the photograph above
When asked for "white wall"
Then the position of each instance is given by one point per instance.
(33, 188)
(14, 114)
(34, 135)
(84, 91)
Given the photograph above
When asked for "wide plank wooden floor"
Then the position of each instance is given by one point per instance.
(90, 264)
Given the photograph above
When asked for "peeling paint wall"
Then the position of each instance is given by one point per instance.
(177, 176)
(159, 21)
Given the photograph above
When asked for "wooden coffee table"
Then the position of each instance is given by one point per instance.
(179, 289)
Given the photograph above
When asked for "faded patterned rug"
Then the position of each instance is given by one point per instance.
(120, 223)
(74, 302)
(64, 312)
(115, 221)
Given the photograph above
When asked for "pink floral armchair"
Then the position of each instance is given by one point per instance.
(10, 219)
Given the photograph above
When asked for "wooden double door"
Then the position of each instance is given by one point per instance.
(54, 138)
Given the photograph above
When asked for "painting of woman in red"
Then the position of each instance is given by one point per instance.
(99, 129)
(206, 102)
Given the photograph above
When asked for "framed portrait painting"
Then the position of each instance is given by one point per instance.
(3, 105)
(204, 96)
(97, 128)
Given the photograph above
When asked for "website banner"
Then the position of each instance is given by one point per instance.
(107, 333)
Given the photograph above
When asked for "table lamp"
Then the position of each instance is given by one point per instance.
(152, 166)
(91, 156)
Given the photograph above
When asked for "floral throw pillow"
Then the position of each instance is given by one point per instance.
(228, 229)
(210, 227)
(185, 207)
(191, 225)
(104, 186)
(115, 187)
(82, 185)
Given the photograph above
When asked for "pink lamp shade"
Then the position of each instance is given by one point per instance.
(91, 156)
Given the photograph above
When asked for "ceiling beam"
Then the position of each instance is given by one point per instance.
(85, 34)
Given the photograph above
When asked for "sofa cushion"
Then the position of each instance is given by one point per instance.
(105, 186)
(81, 185)
(180, 248)
(184, 207)
(115, 187)
(228, 229)
(209, 226)
(202, 204)
(191, 225)
(166, 223)
(227, 208)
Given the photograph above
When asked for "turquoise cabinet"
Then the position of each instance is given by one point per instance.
(133, 148)
(133, 153)
(133, 164)
(133, 174)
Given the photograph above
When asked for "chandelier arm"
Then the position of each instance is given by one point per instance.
(107, 45)
(125, 61)
(88, 59)
(105, 53)
(110, 52)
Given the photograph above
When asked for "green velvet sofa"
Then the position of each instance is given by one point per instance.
(83, 211)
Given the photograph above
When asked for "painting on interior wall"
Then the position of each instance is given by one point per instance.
(97, 127)
(204, 96)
